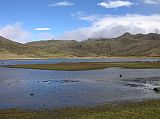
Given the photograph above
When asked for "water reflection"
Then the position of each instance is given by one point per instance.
(38, 89)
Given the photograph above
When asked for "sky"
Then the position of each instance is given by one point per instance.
(32, 20)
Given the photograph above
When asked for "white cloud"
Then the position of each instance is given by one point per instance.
(42, 29)
(113, 26)
(82, 16)
(115, 4)
(63, 3)
(15, 32)
(151, 1)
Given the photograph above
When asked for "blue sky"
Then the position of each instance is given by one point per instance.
(30, 20)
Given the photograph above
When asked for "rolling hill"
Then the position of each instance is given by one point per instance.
(124, 45)
(10, 50)
(13, 49)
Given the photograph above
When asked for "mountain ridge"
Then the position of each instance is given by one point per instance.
(124, 45)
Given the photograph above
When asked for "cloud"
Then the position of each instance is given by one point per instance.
(151, 1)
(60, 4)
(112, 26)
(15, 32)
(82, 16)
(115, 4)
(42, 29)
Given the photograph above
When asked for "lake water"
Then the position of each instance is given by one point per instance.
(39, 89)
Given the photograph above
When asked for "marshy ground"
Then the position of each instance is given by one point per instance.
(136, 110)
(88, 65)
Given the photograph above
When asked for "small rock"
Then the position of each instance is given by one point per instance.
(32, 94)
(45, 81)
(157, 89)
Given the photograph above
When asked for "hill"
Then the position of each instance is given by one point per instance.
(124, 45)
(10, 50)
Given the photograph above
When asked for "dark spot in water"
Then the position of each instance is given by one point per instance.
(45, 81)
(60, 81)
(120, 75)
(8, 84)
(11, 98)
(2, 63)
(133, 85)
(32, 94)
(157, 89)
(17, 81)
(67, 81)
(38, 81)
(143, 80)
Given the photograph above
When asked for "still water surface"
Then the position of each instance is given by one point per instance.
(39, 89)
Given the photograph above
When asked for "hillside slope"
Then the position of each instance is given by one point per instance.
(124, 45)
(10, 50)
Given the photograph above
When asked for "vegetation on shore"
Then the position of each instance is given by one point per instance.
(88, 65)
(136, 110)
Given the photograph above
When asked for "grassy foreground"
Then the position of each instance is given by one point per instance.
(88, 65)
(141, 110)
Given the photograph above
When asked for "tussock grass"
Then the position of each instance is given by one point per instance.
(138, 110)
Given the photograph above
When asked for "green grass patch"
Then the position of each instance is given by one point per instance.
(88, 66)
(138, 110)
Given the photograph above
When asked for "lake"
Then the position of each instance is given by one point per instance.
(40, 89)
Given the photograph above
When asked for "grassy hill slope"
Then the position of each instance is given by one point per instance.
(124, 45)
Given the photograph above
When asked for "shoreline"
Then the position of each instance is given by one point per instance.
(68, 57)
(111, 103)
(82, 66)
(125, 110)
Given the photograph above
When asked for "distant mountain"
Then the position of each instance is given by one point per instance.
(124, 45)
